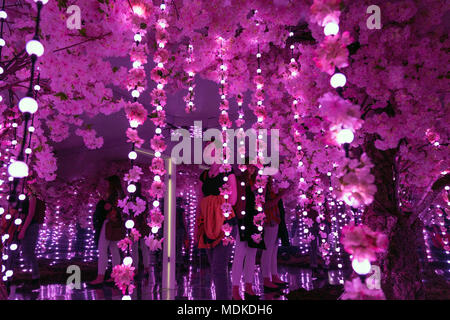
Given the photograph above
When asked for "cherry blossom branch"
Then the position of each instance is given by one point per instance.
(436, 188)
(82, 42)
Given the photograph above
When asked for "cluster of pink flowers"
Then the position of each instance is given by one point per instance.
(134, 175)
(356, 182)
(363, 243)
(136, 113)
(90, 138)
(123, 278)
(153, 243)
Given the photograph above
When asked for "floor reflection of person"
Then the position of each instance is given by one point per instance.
(209, 223)
(181, 235)
(246, 247)
(112, 229)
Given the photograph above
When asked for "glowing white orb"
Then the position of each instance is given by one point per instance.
(132, 155)
(34, 47)
(129, 224)
(18, 169)
(127, 261)
(338, 80)
(331, 29)
(131, 188)
(28, 104)
(361, 267)
(345, 136)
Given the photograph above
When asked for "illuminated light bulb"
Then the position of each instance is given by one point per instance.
(127, 261)
(242, 227)
(338, 80)
(2, 210)
(138, 10)
(258, 70)
(225, 196)
(162, 6)
(34, 47)
(137, 37)
(157, 154)
(136, 64)
(37, 87)
(22, 197)
(361, 267)
(260, 228)
(260, 208)
(305, 230)
(127, 297)
(134, 123)
(191, 74)
(1, 70)
(9, 273)
(157, 178)
(14, 142)
(243, 212)
(156, 203)
(160, 86)
(135, 93)
(129, 224)
(13, 247)
(31, 129)
(132, 155)
(436, 144)
(2, 42)
(161, 45)
(28, 104)
(18, 169)
(345, 136)
(160, 65)
(131, 188)
(331, 29)
(155, 229)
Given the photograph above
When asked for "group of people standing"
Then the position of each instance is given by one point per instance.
(210, 235)
(110, 229)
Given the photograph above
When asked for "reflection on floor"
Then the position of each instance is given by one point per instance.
(193, 284)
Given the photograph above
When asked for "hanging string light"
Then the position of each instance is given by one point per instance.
(260, 112)
(225, 123)
(18, 167)
(160, 76)
(189, 98)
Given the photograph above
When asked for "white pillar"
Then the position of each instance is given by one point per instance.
(169, 246)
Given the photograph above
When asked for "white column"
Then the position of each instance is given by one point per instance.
(169, 245)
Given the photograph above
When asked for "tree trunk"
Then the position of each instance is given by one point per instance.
(400, 265)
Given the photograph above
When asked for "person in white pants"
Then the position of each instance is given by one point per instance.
(246, 247)
(269, 258)
(243, 262)
(103, 246)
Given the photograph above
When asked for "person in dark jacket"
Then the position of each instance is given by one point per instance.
(246, 247)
